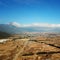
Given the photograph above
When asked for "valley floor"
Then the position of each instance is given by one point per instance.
(30, 49)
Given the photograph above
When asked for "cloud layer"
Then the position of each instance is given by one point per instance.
(15, 24)
(34, 25)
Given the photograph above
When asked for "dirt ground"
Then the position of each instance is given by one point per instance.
(25, 49)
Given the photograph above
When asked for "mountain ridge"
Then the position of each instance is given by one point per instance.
(11, 29)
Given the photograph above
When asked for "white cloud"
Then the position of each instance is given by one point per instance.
(41, 25)
(34, 25)
(15, 24)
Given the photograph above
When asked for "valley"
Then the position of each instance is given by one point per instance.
(31, 46)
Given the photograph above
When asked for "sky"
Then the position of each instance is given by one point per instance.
(30, 11)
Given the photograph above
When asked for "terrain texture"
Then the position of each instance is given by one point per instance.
(31, 48)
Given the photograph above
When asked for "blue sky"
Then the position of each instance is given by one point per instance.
(30, 11)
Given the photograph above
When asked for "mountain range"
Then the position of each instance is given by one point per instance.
(4, 35)
(12, 29)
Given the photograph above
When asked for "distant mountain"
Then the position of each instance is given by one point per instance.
(4, 35)
(11, 29)
(7, 28)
